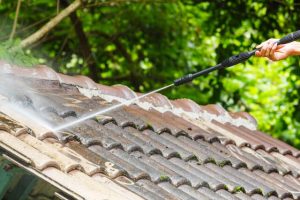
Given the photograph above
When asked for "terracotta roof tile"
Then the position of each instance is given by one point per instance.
(154, 149)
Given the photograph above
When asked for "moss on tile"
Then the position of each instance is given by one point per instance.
(194, 157)
(239, 189)
(225, 162)
(164, 178)
(177, 155)
(210, 160)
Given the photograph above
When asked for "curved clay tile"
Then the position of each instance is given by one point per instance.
(38, 72)
(87, 81)
(157, 100)
(243, 115)
(81, 81)
(86, 166)
(108, 90)
(214, 109)
(187, 105)
(37, 158)
(65, 163)
(125, 92)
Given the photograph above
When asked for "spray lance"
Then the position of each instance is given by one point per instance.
(233, 60)
(226, 63)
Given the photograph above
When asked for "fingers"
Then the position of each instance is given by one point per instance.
(258, 54)
(267, 48)
(272, 51)
(264, 49)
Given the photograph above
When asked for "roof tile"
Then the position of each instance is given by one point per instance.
(166, 173)
(155, 189)
(208, 179)
(65, 163)
(157, 100)
(125, 92)
(182, 152)
(157, 148)
(231, 174)
(175, 191)
(194, 193)
(38, 159)
(226, 195)
(215, 109)
(139, 189)
(209, 193)
(187, 105)
(153, 173)
(81, 81)
(132, 171)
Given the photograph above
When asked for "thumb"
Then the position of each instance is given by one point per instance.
(258, 54)
(259, 46)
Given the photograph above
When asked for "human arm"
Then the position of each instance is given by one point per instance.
(276, 52)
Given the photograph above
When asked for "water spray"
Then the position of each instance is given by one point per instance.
(128, 102)
(231, 61)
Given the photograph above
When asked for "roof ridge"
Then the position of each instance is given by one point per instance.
(122, 93)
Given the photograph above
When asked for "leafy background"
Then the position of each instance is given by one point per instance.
(146, 44)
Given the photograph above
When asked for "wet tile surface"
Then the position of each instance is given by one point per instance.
(151, 154)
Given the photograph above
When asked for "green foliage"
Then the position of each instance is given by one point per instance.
(10, 52)
(146, 45)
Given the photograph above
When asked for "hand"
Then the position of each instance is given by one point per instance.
(276, 52)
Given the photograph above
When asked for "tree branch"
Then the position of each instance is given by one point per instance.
(84, 45)
(13, 31)
(120, 2)
(50, 25)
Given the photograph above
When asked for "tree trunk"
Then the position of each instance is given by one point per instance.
(84, 45)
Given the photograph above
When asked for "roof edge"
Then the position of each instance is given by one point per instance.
(121, 93)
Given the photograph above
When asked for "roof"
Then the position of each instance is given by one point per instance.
(154, 149)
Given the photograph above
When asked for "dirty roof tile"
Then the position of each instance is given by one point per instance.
(183, 153)
(113, 186)
(226, 195)
(109, 168)
(151, 144)
(281, 146)
(203, 155)
(37, 158)
(153, 173)
(156, 122)
(283, 189)
(138, 189)
(154, 149)
(258, 197)
(125, 119)
(243, 196)
(206, 178)
(194, 193)
(137, 144)
(133, 172)
(175, 191)
(150, 186)
(65, 163)
(249, 188)
(221, 157)
(166, 173)
(190, 129)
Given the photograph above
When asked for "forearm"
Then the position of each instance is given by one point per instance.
(296, 49)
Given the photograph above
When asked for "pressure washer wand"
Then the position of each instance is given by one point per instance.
(233, 60)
